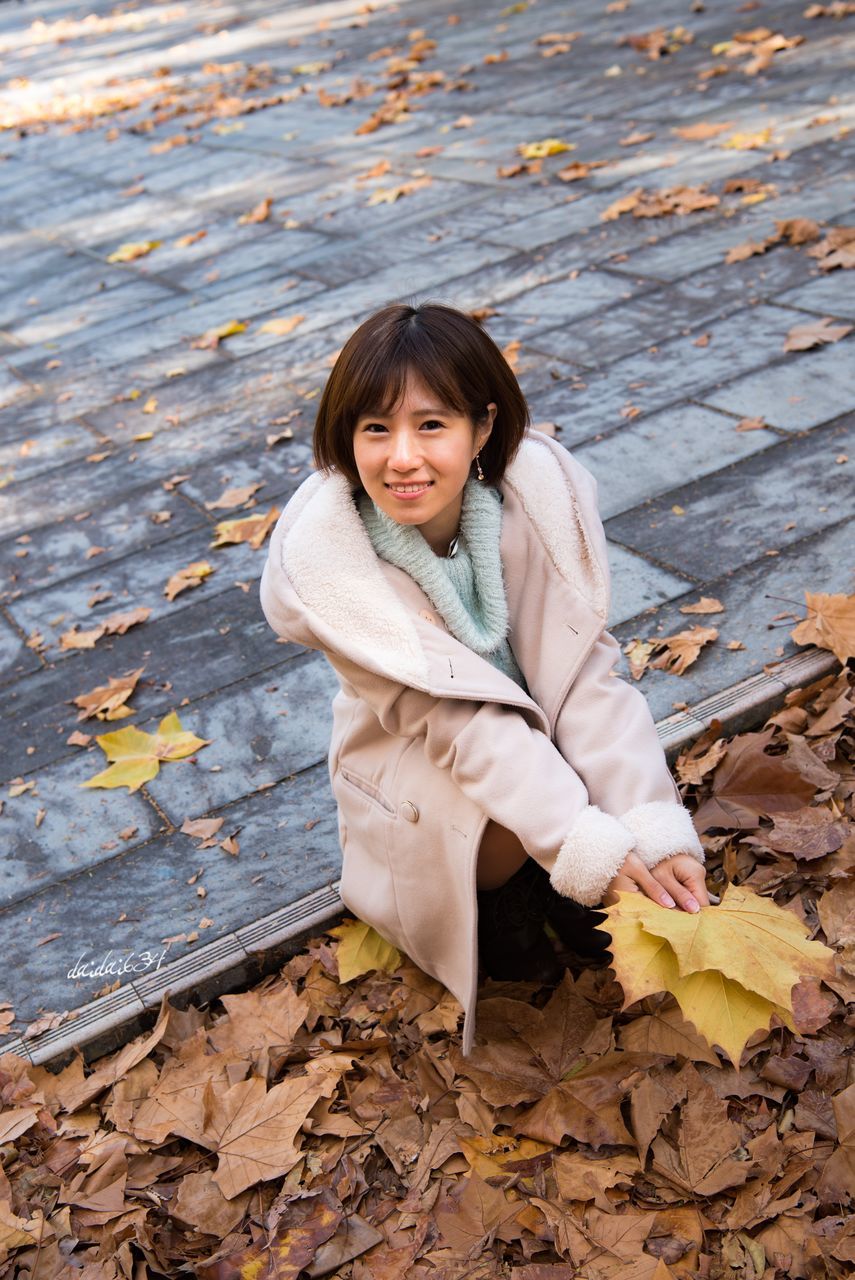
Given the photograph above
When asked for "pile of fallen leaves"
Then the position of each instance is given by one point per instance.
(317, 1126)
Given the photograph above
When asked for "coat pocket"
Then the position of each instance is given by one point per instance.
(367, 789)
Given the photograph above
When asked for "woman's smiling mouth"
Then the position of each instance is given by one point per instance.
(409, 490)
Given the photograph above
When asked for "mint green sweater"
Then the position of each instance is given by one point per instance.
(466, 588)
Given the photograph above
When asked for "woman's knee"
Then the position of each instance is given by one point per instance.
(500, 854)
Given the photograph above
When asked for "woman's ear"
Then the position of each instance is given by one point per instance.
(483, 432)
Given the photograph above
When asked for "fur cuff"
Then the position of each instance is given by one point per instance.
(662, 829)
(591, 856)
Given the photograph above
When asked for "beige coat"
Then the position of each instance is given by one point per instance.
(430, 740)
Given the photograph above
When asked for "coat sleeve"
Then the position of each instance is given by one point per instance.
(512, 771)
(606, 727)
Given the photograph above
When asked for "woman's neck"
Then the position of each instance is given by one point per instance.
(440, 531)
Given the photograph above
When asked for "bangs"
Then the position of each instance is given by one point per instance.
(381, 388)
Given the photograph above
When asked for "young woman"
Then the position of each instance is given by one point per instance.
(490, 770)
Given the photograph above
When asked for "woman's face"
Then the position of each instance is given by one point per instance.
(414, 463)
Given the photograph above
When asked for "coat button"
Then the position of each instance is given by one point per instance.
(409, 811)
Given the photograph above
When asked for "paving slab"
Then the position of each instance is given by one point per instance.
(258, 737)
(637, 462)
(631, 335)
(830, 295)
(25, 457)
(74, 279)
(76, 544)
(757, 506)
(60, 827)
(754, 599)
(808, 391)
(638, 583)
(106, 520)
(162, 318)
(14, 656)
(13, 389)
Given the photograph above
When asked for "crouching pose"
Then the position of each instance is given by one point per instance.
(491, 772)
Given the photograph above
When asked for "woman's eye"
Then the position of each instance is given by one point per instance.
(374, 427)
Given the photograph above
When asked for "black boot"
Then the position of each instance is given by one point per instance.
(511, 938)
(575, 924)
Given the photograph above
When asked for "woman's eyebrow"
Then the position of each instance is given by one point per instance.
(416, 413)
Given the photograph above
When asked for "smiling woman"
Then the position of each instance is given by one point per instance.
(489, 771)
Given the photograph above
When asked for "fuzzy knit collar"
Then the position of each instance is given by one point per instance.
(322, 546)
(481, 623)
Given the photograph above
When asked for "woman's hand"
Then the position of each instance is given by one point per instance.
(675, 881)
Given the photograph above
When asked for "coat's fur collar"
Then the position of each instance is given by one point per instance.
(332, 566)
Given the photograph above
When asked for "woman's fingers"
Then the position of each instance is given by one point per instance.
(681, 894)
(694, 880)
(676, 882)
(685, 883)
(645, 881)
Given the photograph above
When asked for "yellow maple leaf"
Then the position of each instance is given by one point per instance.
(747, 937)
(213, 337)
(639, 653)
(730, 967)
(282, 324)
(190, 576)
(721, 1010)
(747, 141)
(136, 755)
(643, 962)
(724, 1012)
(133, 249)
(546, 147)
(361, 949)
(251, 529)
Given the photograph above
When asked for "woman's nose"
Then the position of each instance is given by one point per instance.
(403, 453)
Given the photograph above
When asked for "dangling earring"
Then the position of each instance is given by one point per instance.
(478, 465)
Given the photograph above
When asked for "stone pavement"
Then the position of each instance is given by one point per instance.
(630, 334)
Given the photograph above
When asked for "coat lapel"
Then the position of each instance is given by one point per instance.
(454, 670)
(553, 626)
(332, 566)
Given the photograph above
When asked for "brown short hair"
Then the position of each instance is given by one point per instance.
(449, 351)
